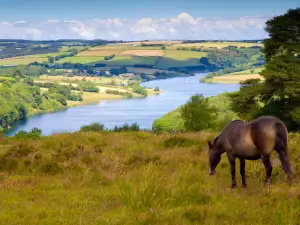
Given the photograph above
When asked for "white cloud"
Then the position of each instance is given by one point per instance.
(183, 26)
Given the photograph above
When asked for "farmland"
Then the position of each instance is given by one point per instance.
(219, 44)
(237, 77)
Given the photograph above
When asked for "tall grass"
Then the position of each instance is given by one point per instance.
(133, 177)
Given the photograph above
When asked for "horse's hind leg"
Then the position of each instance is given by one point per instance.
(268, 167)
(242, 171)
(284, 158)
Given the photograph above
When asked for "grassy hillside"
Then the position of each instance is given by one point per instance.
(136, 178)
(234, 77)
(173, 121)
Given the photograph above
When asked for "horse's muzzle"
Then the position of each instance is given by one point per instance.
(211, 172)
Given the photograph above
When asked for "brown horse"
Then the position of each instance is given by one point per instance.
(251, 141)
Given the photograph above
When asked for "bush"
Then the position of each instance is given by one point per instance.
(35, 133)
(109, 57)
(93, 127)
(88, 86)
(127, 127)
(140, 90)
(116, 92)
(197, 114)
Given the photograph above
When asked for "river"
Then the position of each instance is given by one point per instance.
(176, 91)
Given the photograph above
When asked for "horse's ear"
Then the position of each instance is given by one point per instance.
(209, 144)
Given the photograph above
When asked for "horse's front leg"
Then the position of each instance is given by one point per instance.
(268, 167)
(231, 159)
(243, 173)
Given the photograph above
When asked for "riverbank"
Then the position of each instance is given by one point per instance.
(116, 112)
(234, 77)
(231, 79)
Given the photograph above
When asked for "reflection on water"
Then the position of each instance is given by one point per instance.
(144, 111)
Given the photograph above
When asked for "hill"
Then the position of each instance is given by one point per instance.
(135, 178)
(172, 121)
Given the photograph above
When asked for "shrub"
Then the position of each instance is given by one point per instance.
(127, 127)
(198, 114)
(92, 127)
(35, 133)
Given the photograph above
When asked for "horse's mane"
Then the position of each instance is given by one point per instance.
(216, 138)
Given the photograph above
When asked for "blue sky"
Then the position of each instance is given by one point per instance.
(135, 9)
(138, 20)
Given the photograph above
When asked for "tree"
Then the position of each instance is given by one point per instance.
(18, 73)
(198, 114)
(51, 59)
(280, 93)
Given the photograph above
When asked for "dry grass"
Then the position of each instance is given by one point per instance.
(22, 60)
(235, 78)
(137, 178)
(143, 52)
(218, 44)
(99, 53)
(92, 97)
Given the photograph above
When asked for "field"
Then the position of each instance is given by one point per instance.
(78, 59)
(237, 77)
(143, 52)
(99, 53)
(174, 58)
(102, 83)
(137, 178)
(130, 54)
(24, 60)
(218, 44)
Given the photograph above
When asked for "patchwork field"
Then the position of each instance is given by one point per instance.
(99, 53)
(78, 59)
(22, 60)
(218, 44)
(235, 78)
(143, 52)
(131, 60)
(174, 58)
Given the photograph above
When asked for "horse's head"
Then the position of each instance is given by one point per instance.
(214, 156)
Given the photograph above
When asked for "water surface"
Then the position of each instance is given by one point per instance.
(176, 91)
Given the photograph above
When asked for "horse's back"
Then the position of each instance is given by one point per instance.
(250, 140)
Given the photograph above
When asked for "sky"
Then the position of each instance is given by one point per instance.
(138, 19)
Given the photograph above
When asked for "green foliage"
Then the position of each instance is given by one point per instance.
(140, 90)
(223, 114)
(95, 127)
(20, 99)
(279, 94)
(116, 92)
(35, 133)
(127, 127)
(198, 114)
(88, 86)
(109, 57)
(172, 121)
(283, 34)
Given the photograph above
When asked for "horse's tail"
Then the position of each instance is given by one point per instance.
(282, 148)
(281, 137)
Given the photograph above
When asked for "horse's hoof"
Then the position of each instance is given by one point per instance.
(244, 186)
(233, 186)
